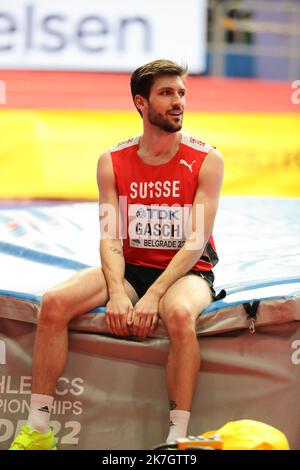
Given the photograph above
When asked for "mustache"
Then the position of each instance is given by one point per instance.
(176, 108)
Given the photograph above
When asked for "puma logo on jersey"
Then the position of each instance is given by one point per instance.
(190, 166)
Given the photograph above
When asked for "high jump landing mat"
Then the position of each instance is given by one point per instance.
(112, 394)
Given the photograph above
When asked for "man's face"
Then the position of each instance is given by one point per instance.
(166, 103)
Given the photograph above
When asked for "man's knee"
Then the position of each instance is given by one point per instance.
(52, 308)
(180, 321)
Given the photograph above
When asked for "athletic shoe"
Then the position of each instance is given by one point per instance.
(29, 439)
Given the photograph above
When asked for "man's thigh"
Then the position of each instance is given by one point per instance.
(190, 291)
(86, 290)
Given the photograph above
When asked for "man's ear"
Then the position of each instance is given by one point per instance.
(139, 102)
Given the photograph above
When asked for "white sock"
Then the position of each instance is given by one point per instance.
(39, 412)
(179, 420)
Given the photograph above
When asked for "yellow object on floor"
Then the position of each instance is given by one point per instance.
(247, 434)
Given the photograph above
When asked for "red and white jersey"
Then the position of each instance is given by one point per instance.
(155, 202)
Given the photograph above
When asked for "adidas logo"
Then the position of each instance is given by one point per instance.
(45, 409)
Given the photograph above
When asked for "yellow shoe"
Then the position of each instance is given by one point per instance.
(33, 440)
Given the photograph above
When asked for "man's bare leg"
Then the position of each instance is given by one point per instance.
(85, 291)
(81, 293)
(179, 309)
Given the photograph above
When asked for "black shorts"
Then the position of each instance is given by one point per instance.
(142, 277)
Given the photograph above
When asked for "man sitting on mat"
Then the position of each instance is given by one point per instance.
(159, 195)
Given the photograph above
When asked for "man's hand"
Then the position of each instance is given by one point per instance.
(118, 310)
(145, 315)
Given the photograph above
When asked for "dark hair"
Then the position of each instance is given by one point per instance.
(143, 77)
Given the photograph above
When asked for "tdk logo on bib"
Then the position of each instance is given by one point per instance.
(159, 213)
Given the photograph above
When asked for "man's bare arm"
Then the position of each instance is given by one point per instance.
(119, 306)
(111, 250)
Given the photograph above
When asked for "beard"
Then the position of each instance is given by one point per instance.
(162, 122)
